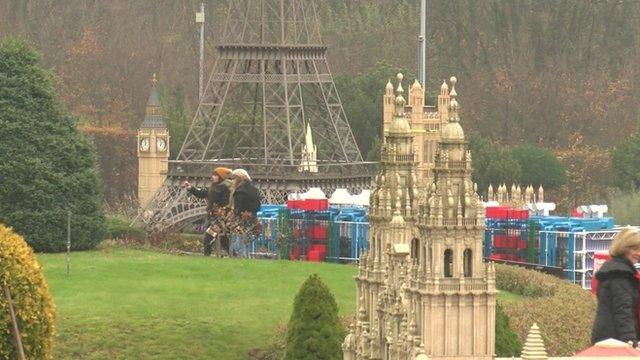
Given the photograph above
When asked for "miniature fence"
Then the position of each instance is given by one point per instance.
(571, 244)
(315, 236)
(341, 235)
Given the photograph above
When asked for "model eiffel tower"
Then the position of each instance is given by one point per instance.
(270, 86)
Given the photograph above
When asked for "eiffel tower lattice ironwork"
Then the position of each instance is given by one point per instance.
(270, 82)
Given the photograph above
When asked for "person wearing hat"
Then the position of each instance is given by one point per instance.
(245, 203)
(217, 196)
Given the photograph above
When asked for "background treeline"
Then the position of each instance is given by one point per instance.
(557, 74)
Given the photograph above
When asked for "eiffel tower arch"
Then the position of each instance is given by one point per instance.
(269, 84)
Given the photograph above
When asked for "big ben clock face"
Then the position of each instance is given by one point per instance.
(161, 144)
(144, 144)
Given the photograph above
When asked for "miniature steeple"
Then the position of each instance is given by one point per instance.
(153, 113)
(388, 105)
(540, 194)
(399, 98)
(443, 102)
(389, 88)
(416, 98)
(452, 130)
(534, 346)
(309, 153)
(399, 136)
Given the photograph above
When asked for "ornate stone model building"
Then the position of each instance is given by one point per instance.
(423, 290)
(426, 123)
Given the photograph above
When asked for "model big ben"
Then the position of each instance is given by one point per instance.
(153, 147)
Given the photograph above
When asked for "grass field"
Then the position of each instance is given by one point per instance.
(130, 304)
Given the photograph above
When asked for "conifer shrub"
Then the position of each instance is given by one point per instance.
(48, 168)
(563, 311)
(32, 302)
(507, 342)
(314, 330)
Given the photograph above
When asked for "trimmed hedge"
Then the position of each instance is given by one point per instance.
(32, 302)
(563, 311)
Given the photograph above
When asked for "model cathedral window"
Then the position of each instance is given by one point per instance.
(423, 289)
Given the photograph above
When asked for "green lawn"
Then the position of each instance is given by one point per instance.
(506, 296)
(128, 304)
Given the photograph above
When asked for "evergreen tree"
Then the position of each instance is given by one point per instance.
(539, 166)
(361, 97)
(625, 163)
(492, 164)
(177, 116)
(314, 330)
(47, 166)
(507, 342)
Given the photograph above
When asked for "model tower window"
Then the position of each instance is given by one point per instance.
(448, 263)
(468, 263)
(415, 248)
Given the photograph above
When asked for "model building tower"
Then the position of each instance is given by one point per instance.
(423, 289)
(426, 122)
(393, 215)
(153, 147)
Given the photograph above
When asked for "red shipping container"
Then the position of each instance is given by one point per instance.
(295, 204)
(318, 247)
(313, 256)
(496, 212)
(499, 241)
(316, 204)
(512, 241)
(490, 212)
(316, 256)
(496, 257)
(303, 205)
(522, 244)
(317, 232)
(598, 260)
(524, 214)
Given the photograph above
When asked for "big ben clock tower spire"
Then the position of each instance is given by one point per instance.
(153, 147)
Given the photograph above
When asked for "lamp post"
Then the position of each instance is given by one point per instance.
(200, 20)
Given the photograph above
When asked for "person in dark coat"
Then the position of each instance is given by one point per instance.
(245, 203)
(217, 196)
(618, 291)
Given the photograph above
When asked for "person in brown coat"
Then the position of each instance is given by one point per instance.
(217, 196)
